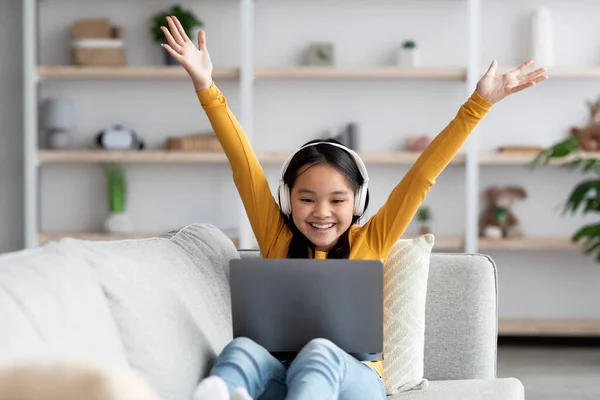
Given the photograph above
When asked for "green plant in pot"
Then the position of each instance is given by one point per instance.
(118, 220)
(189, 21)
(585, 195)
(408, 55)
(424, 218)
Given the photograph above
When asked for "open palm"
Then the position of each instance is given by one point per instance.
(494, 88)
(196, 61)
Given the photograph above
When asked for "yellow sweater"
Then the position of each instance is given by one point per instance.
(376, 237)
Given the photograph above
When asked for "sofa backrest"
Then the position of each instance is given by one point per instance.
(160, 304)
(461, 316)
(51, 306)
(170, 299)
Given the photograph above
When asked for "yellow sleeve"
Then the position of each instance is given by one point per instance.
(248, 175)
(384, 229)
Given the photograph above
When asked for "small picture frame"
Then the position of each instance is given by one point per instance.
(321, 54)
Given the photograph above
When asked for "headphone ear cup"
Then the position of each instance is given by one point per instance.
(284, 199)
(359, 202)
(362, 203)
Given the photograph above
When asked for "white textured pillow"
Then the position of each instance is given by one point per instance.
(405, 288)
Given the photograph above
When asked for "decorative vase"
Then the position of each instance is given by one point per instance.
(59, 120)
(542, 38)
(424, 230)
(408, 57)
(118, 222)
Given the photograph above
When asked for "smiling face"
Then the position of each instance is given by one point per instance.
(322, 202)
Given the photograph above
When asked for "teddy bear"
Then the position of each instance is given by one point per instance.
(497, 221)
(589, 137)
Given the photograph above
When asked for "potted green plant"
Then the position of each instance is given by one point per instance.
(189, 21)
(408, 55)
(585, 195)
(118, 220)
(424, 218)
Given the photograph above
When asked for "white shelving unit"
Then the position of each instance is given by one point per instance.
(246, 76)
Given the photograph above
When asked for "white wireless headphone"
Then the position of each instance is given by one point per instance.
(360, 197)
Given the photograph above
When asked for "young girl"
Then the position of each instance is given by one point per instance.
(322, 193)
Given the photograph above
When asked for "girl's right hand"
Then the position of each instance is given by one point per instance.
(196, 61)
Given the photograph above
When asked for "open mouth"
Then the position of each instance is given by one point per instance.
(322, 228)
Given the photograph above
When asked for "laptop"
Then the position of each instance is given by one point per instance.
(282, 304)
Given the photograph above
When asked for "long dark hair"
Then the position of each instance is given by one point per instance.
(341, 160)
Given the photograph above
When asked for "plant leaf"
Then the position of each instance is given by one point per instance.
(558, 150)
(585, 190)
(589, 232)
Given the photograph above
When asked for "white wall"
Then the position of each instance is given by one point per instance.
(288, 113)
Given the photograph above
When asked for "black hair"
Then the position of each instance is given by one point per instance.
(344, 163)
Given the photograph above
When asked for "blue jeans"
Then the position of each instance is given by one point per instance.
(321, 370)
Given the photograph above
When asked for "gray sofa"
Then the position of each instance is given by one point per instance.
(162, 306)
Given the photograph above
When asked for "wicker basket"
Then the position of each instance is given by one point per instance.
(198, 142)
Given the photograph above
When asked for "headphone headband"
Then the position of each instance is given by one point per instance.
(360, 196)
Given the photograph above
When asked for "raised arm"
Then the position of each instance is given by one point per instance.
(391, 220)
(248, 175)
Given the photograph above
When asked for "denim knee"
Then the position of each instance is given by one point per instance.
(243, 343)
(244, 347)
(320, 355)
(245, 363)
(322, 346)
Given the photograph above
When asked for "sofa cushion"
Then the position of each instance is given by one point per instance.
(472, 389)
(170, 299)
(405, 289)
(52, 306)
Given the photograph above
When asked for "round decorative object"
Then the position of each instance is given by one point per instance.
(119, 138)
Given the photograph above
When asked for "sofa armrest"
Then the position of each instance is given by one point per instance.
(461, 322)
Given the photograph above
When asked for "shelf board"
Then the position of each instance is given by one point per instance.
(129, 72)
(590, 72)
(573, 72)
(449, 243)
(401, 157)
(548, 327)
(309, 72)
(302, 72)
(166, 156)
(524, 158)
(128, 156)
(529, 244)
(45, 237)
(509, 158)
(444, 242)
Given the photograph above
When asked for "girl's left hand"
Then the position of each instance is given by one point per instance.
(494, 88)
